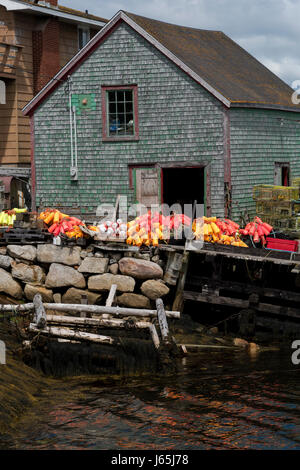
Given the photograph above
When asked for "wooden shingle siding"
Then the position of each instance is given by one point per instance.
(178, 121)
(259, 138)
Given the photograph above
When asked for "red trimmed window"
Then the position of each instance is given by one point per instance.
(119, 113)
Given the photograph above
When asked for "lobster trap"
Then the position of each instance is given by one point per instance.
(269, 192)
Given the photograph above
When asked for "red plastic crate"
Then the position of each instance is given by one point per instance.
(279, 244)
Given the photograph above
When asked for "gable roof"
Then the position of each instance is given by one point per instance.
(211, 58)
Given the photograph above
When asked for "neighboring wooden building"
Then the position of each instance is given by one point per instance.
(36, 40)
(162, 113)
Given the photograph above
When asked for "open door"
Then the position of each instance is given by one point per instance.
(184, 186)
(282, 174)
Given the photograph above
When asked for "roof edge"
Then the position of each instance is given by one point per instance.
(278, 107)
(86, 50)
(69, 67)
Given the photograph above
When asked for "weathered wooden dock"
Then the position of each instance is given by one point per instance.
(255, 282)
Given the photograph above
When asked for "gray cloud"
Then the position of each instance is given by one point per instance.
(268, 29)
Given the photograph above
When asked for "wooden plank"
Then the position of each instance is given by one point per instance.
(254, 254)
(239, 303)
(208, 346)
(240, 287)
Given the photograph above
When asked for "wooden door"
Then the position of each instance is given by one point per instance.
(147, 186)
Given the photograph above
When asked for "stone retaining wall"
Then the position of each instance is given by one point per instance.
(64, 274)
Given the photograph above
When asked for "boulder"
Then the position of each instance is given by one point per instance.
(154, 289)
(102, 282)
(60, 276)
(5, 261)
(30, 291)
(25, 252)
(133, 300)
(93, 265)
(3, 250)
(140, 269)
(9, 285)
(57, 298)
(28, 273)
(58, 254)
(73, 296)
(113, 268)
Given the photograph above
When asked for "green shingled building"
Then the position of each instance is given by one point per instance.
(161, 113)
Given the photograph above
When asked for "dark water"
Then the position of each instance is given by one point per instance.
(217, 401)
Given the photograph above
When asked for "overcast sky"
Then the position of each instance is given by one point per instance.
(268, 29)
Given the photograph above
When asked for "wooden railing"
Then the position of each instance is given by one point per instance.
(9, 59)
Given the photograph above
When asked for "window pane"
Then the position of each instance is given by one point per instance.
(111, 96)
(121, 108)
(83, 37)
(112, 108)
(120, 96)
(128, 95)
(128, 107)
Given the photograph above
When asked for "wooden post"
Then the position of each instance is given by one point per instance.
(110, 299)
(162, 321)
(83, 301)
(154, 335)
(178, 302)
(111, 295)
(40, 317)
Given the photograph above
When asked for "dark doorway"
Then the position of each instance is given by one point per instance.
(183, 185)
(282, 174)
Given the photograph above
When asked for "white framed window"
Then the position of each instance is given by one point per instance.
(83, 36)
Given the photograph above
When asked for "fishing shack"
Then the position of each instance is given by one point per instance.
(161, 113)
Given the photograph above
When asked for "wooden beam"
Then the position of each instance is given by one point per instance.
(17, 308)
(178, 301)
(154, 336)
(71, 335)
(239, 303)
(249, 254)
(99, 309)
(208, 346)
(94, 322)
(162, 320)
(103, 322)
(240, 287)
